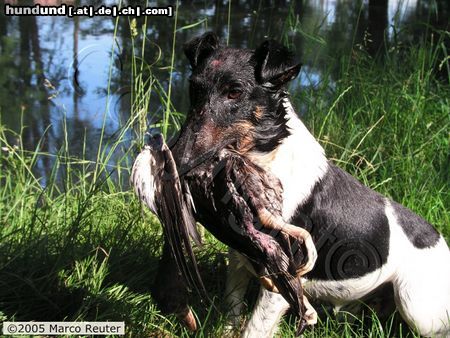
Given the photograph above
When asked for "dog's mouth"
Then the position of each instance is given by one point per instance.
(201, 138)
(189, 154)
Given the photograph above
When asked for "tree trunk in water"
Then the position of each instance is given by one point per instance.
(378, 24)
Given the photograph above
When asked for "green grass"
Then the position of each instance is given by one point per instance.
(77, 246)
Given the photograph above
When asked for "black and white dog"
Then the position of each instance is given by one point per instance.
(363, 239)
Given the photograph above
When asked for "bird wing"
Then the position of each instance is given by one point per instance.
(178, 222)
(155, 180)
(142, 178)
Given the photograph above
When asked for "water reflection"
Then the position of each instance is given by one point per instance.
(56, 69)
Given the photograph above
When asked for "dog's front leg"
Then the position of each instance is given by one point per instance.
(238, 277)
(269, 309)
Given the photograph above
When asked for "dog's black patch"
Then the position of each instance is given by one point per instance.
(421, 233)
(270, 129)
(349, 227)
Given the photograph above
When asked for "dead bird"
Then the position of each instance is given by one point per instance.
(156, 182)
(239, 203)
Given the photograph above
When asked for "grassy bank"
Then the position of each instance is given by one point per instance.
(77, 246)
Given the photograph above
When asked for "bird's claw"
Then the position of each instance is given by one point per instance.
(304, 236)
(270, 221)
(311, 254)
(310, 313)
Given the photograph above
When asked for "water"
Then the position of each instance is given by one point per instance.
(55, 71)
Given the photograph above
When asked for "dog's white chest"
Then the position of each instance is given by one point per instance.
(299, 162)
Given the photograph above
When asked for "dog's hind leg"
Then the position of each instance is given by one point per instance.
(422, 291)
(238, 277)
(266, 315)
(422, 279)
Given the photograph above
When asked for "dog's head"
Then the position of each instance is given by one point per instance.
(235, 97)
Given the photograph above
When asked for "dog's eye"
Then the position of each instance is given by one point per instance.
(234, 94)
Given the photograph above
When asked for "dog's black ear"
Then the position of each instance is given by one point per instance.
(200, 48)
(275, 64)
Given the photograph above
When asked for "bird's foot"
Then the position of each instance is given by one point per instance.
(270, 221)
(310, 313)
(303, 236)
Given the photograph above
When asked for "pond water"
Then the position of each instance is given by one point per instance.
(56, 71)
